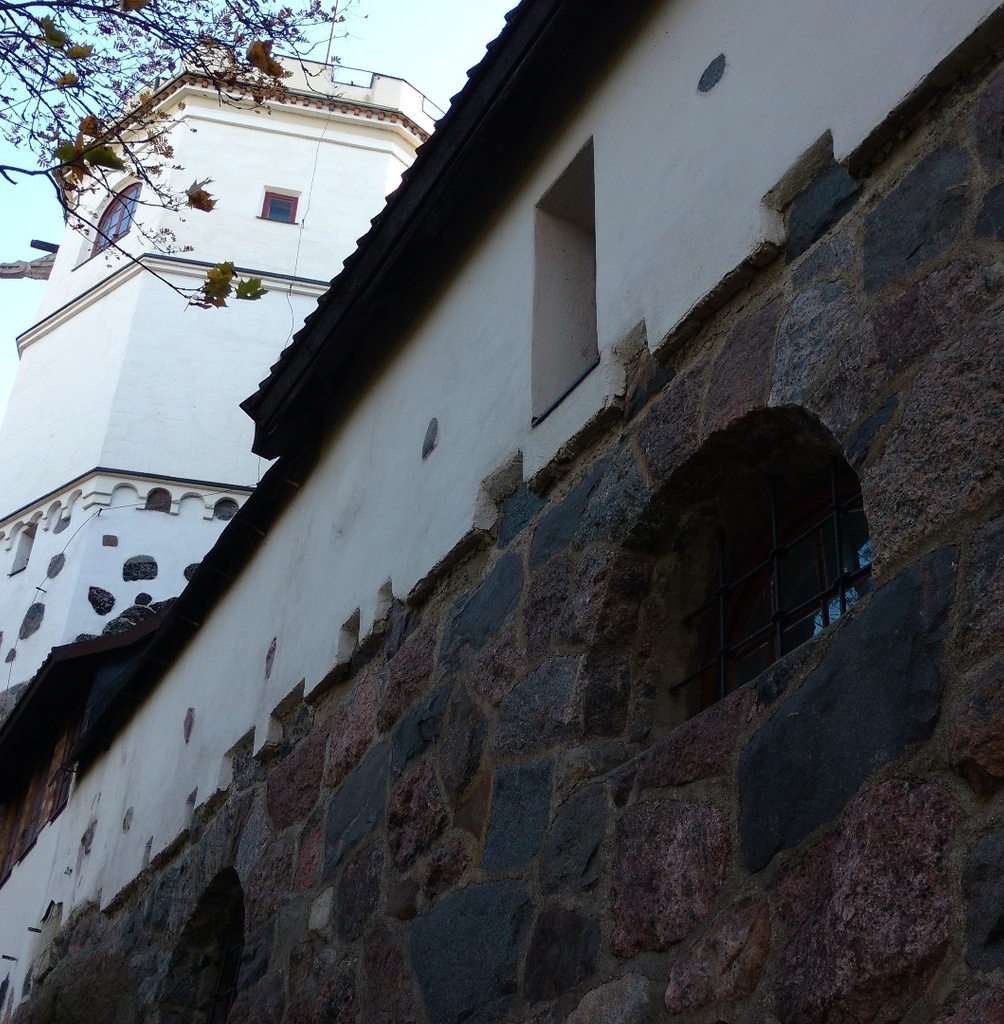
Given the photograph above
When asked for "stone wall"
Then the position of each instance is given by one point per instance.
(505, 812)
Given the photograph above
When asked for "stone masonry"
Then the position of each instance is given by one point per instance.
(505, 812)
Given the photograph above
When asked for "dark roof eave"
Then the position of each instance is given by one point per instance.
(468, 138)
(41, 697)
(446, 159)
(236, 545)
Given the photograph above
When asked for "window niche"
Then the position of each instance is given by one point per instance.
(22, 554)
(564, 340)
(225, 509)
(770, 547)
(201, 981)
(158, 500)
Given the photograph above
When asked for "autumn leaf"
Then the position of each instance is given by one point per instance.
(90, 126)
(134, 5)
(259, 55)
(145, 102)
(66, 152)
(67, 80)
(79, 52)
(250, 289)
(51, 35)
(73, 168)
(199, 198)
(222, 273)
(104, 156)
(217, 286)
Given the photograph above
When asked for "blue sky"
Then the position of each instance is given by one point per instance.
(431, 43)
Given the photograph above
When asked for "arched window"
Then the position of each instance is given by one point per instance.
(158, 500)
(809, 562)
(771, 546)
(25, 542)
(225, 508)
(117, 218)
(202, 978)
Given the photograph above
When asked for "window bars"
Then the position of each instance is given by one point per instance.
(810, 563)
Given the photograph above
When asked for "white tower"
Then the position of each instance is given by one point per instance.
(123, 450)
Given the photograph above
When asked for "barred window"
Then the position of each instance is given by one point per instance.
(806, 565)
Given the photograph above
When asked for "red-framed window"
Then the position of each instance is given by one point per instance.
(117, 218)
(279, 207)
(809, 563)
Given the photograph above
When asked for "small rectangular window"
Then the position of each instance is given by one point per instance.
(279, 207)
(564, 347)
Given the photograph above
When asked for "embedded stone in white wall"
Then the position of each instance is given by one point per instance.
(100, 600)
(32, 620)
(225, 508)
(712, 74)
(139, 567)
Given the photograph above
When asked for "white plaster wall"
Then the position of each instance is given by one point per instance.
(142, 382)
(687, 208)
(679, 179)
(31, 585)
(176, 410)
(341, 165)
(130, 376)
(55, 425)
(175, 540)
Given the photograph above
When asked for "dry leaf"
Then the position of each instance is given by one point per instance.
(259, 55)
(199, 198)
(51, 35)
(217, 286)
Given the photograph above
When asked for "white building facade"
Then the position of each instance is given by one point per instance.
(472, 374)
(123, 442)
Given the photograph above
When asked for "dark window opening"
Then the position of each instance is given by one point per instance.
(279, 207)
(158, 500)
(225, 508)
(204, 973)
(808, 564)
(117, 219)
